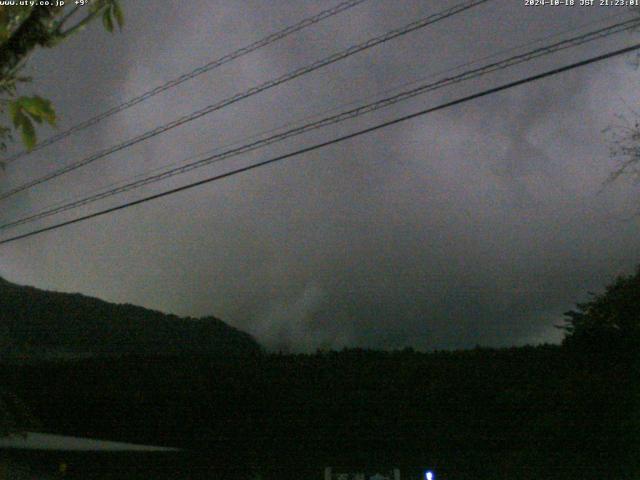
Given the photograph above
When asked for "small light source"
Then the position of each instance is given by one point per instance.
(428, 475)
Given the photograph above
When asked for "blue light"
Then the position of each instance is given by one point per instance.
(428, 475)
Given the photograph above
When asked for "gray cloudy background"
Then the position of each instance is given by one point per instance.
(479, 224)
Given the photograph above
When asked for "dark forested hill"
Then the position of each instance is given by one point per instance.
(36, 322)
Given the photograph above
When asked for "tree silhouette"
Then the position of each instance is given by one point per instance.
(610, 321)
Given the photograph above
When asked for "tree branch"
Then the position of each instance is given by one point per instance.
(63, 20)
(80, 25)
(31, 33)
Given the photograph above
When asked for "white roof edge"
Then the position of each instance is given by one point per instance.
(46, 441)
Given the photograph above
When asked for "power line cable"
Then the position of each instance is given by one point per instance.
(333, 141)
(335, 119)
(252, 91)
(394, 88)
(269, 39)
(349, 114)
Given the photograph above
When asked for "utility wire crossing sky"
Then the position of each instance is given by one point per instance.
(491, 91)
(424, 22)
(514, 60)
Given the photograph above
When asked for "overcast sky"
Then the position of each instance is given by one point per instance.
(479, 224)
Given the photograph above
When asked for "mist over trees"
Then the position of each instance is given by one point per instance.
(550, 411)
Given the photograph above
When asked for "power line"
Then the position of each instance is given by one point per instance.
(238, 141)
(318, 146)
(333, 119)
(269, 39)
(252, 91)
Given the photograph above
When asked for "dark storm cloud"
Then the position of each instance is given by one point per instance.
(478, 224)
